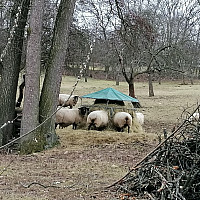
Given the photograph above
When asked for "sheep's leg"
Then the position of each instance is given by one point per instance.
(89, 127)
(61, 125)
(119, 129)
(100, 128)
(74, 126)
(128, 129)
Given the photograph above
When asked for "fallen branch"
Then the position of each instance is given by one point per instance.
(171, 170)
(36, 183)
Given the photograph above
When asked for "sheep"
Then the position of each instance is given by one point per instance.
(121, 120)
(98, 119)
(140, 117)
(67, 100)
(66, 117)
(194, 117)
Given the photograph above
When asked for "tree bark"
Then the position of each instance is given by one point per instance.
(30, 114)
(87, 62)
(117, 78)
(151, 92)
(159, 77)
(131, 88)
(183, 79)
(53, 76)
(132, 92)
(11, 67)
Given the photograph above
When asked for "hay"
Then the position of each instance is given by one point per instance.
(111, 109)
(80, 138)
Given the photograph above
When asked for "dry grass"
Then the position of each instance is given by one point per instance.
(161, 111)
(86, 161)
(92, 138)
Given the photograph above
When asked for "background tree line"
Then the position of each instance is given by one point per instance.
(123, 38)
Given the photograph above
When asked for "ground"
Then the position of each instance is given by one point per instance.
(86, 163)
(69, 174)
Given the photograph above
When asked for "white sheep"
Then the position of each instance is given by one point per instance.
(140, 117)
(66, 117)
(67, 100)
(122, 120)
(194, 117)
(98, 119)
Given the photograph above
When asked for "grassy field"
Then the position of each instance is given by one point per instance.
(86, 162)
(161, 111)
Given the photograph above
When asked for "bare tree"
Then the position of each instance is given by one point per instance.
(54, 69)
(30, 117)
(178, 26)
(11, 59)
(51, 85)
(154, 37)
(99, 27)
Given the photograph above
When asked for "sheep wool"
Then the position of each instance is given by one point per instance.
(66, 117)
(140, 118)
(122, 120)
(98, 119)
(67, 100)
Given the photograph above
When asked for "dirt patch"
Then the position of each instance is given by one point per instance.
(67, 173)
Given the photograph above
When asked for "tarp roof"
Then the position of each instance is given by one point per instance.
(110, 94)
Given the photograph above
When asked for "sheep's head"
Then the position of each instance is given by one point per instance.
(83, 110)
(75, 99)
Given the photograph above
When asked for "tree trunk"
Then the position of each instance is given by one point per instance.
(106, 71)
(86, 74)
(191, 81)
(53, 76)
(183, 79)
(132, 93)
(131, 89)
(87, 63)
(159, 77)
(30, 114)
(191, 77)
(11, 67)
(151, 92)
(117, 78)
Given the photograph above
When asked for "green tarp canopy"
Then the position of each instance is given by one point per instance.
(110, 94)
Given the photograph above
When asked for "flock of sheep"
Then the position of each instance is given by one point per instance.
(97, 119)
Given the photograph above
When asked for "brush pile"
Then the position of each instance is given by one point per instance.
(171, 171)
